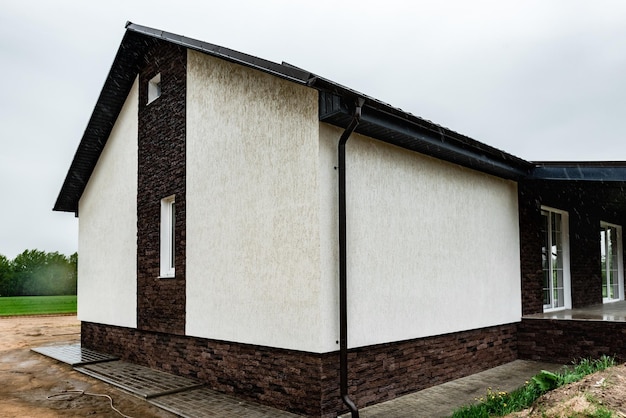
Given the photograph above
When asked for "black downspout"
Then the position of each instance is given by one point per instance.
(343, 297)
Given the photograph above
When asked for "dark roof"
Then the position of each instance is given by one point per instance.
(396, 127)
(118, 83)
(379, 120)
(603, 171)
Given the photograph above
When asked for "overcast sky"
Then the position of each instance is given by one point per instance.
(543, 80)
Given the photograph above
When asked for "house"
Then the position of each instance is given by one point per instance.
(294, 242)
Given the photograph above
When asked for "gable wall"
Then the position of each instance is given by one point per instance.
(107, 238)
(252, 235)
(432, 247)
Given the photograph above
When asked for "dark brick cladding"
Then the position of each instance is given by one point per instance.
(307, 383)
(161, 302)
(530, 250)
(383, 372)
(587, 204)
(565, 341)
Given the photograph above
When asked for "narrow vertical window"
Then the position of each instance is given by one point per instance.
(154, 88)
(168, 243)
(172, 229)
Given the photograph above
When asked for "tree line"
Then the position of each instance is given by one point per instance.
(38, 273)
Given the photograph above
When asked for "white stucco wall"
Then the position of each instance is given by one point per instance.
(252, 207)
(107, 241)
(433, 247)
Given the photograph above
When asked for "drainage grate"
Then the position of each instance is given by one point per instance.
(140, 380)
(205, 403)
(181, 396)
(73, 354)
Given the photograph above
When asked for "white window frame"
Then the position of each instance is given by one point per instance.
(154, 88)
(620, 262)
(168, 229)
(567, 286)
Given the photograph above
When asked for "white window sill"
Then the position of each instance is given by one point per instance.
(167, 276)
(561, 308)
(611, 300)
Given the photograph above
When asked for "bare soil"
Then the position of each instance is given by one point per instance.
(605, 389)
(28, 379)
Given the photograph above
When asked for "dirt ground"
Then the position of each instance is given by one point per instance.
(606, 389)
(28, 379)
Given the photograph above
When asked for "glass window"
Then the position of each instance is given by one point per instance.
(554, 259)
(154, 88)
(611, 260)
(168, 236)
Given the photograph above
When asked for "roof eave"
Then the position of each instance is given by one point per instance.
(380, 120)
(108, 106)
(599, 171)
(285, 71)
(391, 125)
(117, 86)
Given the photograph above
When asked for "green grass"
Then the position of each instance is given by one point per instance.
(496, 403)
(37, 305)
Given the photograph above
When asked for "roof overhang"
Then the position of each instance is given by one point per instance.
(135, 43)
(112, 96)
(379, 120)
(387, 124)
(601, 184)
(599, 171)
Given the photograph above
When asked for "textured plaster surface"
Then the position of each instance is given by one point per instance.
(107, 238)
(433, 248)
(253, 244)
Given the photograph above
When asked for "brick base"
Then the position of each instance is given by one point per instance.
(308, 383)
(383, 372)
(562, 341)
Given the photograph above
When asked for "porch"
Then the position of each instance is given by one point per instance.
(571, 220)
(568, 335)
(615, 311)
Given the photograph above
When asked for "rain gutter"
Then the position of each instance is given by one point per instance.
(601, 171)
(343, 294)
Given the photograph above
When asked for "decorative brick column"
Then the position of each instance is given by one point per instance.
(162, 124)
(530, 248)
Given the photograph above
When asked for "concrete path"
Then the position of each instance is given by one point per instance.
(442, 400)
(185, 398)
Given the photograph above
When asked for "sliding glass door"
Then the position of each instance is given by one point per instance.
(555, 260)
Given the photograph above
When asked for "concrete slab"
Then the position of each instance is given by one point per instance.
(442, 400)
(73, 354)
(207, 403)
(140, 380)
(606, 312)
